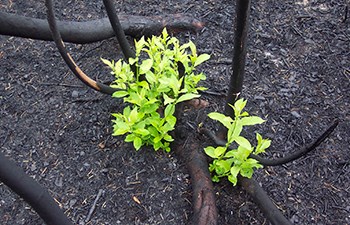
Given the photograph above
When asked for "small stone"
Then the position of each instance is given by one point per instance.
(296, 114)
(75, 94)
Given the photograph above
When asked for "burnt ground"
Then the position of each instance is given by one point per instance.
(297, 77)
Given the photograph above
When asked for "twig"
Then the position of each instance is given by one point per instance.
(61, 84)
(92, 209)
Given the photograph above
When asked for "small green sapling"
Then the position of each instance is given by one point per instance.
(154, 89)
(233, 158)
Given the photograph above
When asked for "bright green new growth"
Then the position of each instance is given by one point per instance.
(155, 89)
(230, 163)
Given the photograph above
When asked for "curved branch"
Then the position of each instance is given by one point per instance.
(68, 59)
(95, 30)
(288, 158)
(269, 209)
(32, 192)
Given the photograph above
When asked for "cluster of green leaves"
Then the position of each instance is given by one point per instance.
(154, 89)
(233, 158)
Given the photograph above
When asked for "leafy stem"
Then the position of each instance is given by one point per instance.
(229, 163)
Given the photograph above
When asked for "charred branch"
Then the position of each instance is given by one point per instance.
(239, 56)
(280, 161)
(118, 30)
(95, 30)
(66, 56)
(34, 194)
(268, 208)
(204, 203)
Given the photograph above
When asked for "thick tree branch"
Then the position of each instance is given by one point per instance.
(272, 213)
(204, 203)
(95, 30)
(34, 194)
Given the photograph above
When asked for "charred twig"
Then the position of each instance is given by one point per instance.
(32, 192)
(269, 209)
(288, 158)
(92, 209)
(68, 59)
(95, 30)
(118, 30)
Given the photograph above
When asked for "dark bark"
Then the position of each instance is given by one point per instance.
(118, 30)
(204, 203)
(68, 59)
(95, 30)
(269, 209)
(239, 56)
(34, 194)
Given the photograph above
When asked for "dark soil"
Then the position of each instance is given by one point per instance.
(297, 77)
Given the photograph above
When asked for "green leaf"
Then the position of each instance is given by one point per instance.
(232, 179)
(168, 138)
(210, 151)
(215, 178)
(133, 117)
(230, 154)
(243, 142)
(132, 61)
(222, 167)
(150, 77)
(107, 62)
(187, 97)
(167, 99)
(120, 94)
(225, 120)
(143, 84)
(219, 151)
(120, 128)
(234, 170)
(137, 143)
(141, 131)
(171, 120)
(240, 104)
(246, 172)
(130, 138)
(200, 59)
(169, 110)
(145, 66)
(251, 120)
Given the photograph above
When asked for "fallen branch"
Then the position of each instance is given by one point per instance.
(269, 209)
(95, 30)
(32, 192)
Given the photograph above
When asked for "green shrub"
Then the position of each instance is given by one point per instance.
(154, 89)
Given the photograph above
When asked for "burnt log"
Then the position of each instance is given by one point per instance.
(96, 30)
